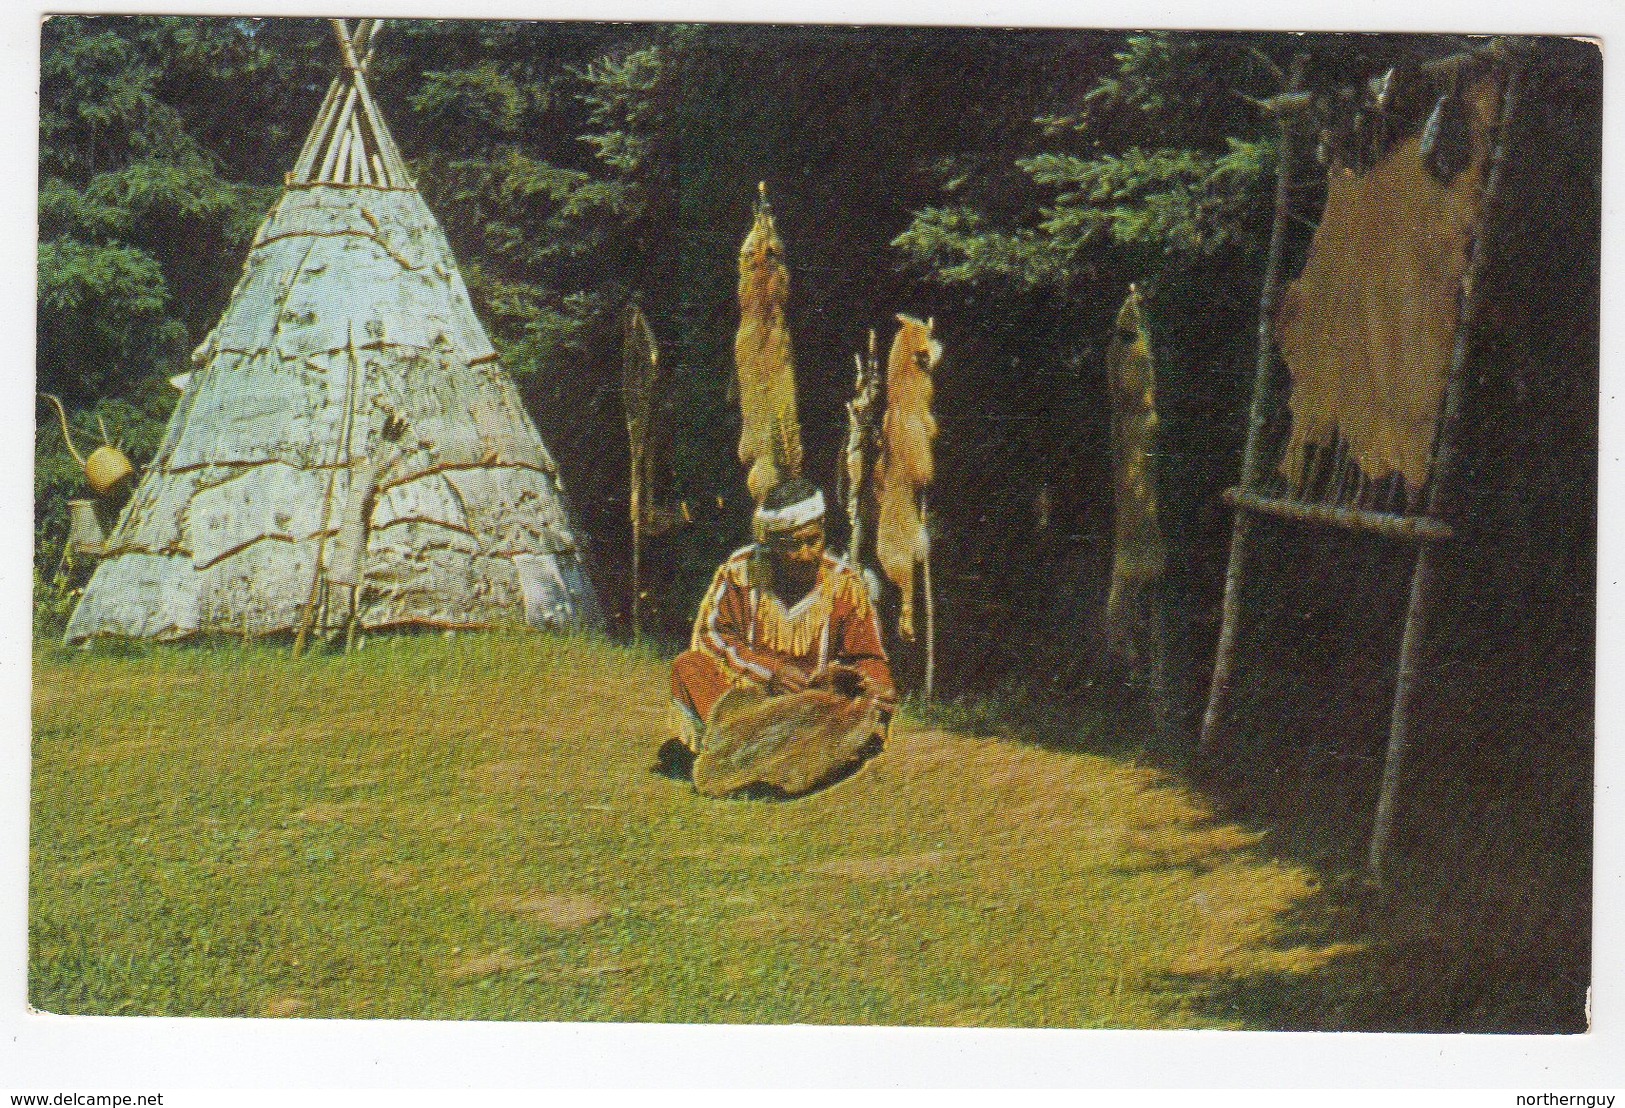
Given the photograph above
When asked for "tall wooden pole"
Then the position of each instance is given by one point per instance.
(640, 379)
(1241, 529)
(930, 682)
(637, 565)
(859, 461)
(1419, 603)
(341, 457)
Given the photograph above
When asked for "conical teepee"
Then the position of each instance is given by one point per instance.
(347, 450)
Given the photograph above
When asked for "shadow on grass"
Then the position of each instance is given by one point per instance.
(1483, 924)
(1417, 956)
(1104, 716)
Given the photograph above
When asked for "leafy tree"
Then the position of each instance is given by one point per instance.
(142, 222)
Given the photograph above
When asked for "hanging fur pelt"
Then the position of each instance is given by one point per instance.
(1138, 552)
(907, 465)
(770, 439)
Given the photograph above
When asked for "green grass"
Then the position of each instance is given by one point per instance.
(469, 828)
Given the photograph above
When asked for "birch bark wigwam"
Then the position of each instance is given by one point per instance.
(350, 325)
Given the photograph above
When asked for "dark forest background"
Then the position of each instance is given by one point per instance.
(1009, 184)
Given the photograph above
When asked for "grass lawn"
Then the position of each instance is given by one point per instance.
(470, 828)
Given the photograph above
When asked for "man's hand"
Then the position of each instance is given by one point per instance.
(838, 678)
(788, 679)
(881, 691)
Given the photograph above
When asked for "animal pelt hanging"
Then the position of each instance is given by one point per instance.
(770, 438)
(907, 465)
(1368, 329)
(1139, 555)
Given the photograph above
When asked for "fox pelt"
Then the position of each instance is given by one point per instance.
(907, 464)
(1138, 555)
(770, 438)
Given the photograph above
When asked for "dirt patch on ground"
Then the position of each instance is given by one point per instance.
(120, 744)
(780, 925)
(484, 965)
(396, 877)
(603, 970)
(885, 868)
(457, 820)
(509, 775)
(564, 912)
(324, 813)
(285, 1006)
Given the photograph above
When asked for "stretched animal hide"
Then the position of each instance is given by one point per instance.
(770, 440)
(907, 465)
(1139, 555)
(1368, 330)
(791, 743)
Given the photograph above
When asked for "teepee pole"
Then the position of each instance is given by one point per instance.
(1419, 604)
(358, 153)
(343, 451)
(331, 103)
(394, 163)
(313, 141)
(391, 154)
(341, 131)
(307, 614)
(1241, 529)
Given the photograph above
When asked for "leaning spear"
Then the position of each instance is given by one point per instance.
(862, 448)
(640, 383)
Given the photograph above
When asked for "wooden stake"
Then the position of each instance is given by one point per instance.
(1419, 603)
(341, 456)
(862, 410)
(640, 382)
(1241, 531)
(307, 616)
(930, 609)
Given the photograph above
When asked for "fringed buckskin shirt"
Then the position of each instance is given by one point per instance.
(746, 629)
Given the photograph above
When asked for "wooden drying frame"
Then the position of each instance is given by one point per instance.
(1426, 530)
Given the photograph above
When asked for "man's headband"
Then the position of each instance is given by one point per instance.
(791, 516)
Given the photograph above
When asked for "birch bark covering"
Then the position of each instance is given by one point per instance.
(1368, 329)
(770, 438)
(908, 464)
(350, 313)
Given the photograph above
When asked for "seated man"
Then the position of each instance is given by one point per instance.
(782, 618)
